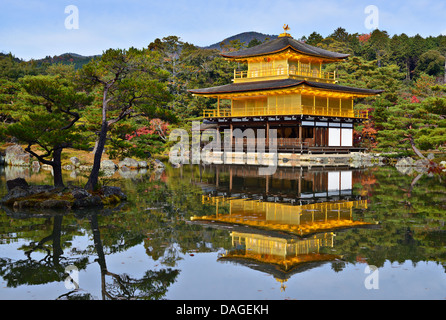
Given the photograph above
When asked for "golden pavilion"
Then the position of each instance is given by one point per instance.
(286, 88)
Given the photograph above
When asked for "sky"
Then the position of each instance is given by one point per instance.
(33, 29)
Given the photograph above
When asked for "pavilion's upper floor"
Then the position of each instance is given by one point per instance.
(284, 58)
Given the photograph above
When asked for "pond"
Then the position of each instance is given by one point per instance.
(224, 232)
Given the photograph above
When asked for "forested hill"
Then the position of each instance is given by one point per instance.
(244, 37)
(79, 60)
(67, 58)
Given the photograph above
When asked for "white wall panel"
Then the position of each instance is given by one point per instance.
(334, 137)
(347, 137)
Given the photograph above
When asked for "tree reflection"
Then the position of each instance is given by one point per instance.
(45, 262)
(50, 268)
(153, 285)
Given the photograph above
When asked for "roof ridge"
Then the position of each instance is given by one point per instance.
(281, 44)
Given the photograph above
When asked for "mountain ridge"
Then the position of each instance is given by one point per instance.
(245, 37)
(79, 60)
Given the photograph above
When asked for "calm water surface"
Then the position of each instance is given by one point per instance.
(226, 233)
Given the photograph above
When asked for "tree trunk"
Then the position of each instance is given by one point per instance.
(94, 175)
(57, 168)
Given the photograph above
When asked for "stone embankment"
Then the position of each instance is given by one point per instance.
(408, 165)
(19, 165)
(17, 161)
(21, 195)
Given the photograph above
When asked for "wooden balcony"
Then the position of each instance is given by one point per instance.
(285, 111)
(284, 72)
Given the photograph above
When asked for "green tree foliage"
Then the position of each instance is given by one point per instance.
(51, 108)
(431, 62)
(132, 84)
(418, 121)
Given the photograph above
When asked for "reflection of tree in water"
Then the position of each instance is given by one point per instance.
(410, 209)
(153, 285)
(50, 268)
(36, 269)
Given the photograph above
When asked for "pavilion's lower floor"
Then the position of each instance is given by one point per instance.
(286, 134)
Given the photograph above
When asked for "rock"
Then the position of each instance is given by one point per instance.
(69, 167)
(75, 161)
(124, 169)
(16, 156)
(405, 170)
(35, 166)
(85, 167)
(108, 165)
(108, 191)
(47, 197)
(158, 164)
(91, 201)
(127, 173)
(80, 193)
(421, 163)
(18, 182)
(142, 164)
(430, 156)
(47, 167)
(405, 162)
(74, 173)
(54, 204)
(129, 163)
(18, 193)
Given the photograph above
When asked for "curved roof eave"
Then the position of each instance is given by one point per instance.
(281, 44)
(234, 88)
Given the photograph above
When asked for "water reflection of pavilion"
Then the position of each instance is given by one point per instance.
(284, 223)
(285, 185)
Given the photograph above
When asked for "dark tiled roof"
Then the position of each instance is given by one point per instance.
(283, 43)
(280, 84)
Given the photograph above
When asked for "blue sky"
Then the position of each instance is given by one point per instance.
(36, 28)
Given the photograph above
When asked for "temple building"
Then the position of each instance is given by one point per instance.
(286, 88)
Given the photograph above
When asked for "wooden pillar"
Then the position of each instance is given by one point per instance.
(300, 135)
(314, 105)
(217, 173)
(231, 144)
(340, 106)
(328, 102)
(299, 185)
(353, 108)
(218, 106)
(314, 135)
(267, 130)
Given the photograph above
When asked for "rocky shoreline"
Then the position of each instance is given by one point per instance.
(15, 157)
(22, 195)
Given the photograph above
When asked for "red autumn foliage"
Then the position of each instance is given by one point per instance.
(155, 126)
(414, 99)
(363, 38)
